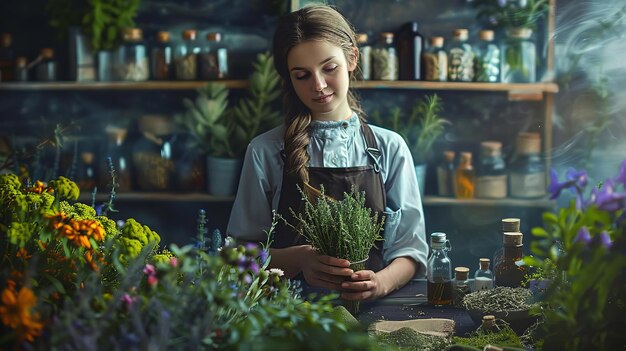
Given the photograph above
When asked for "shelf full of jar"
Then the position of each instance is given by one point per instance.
(204, 197)
(238, 84)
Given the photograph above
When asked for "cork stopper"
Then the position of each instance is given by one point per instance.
(484, 263)
(163, 37)
(361, 38)
(47, 53)
(461, 273)
(466, 158)
(519, 32)
(132, 34)
(87, 157)
(6, 40)
(21, 61)
(489, 321)
(491, 148)
(387, 37)
(460, 34)
(436, 41)
(214, 36)
(189, 34)
(510, 224)
(156, 124)
(528, 143)
(448, 155)
(486, 35)
(116, 134)
(513, 239)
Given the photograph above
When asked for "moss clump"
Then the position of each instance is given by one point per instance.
(409, 339)
(504, 337)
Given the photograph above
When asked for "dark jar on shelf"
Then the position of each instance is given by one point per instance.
(186, 57)
(410, 46)
(162, 58)
(7, 58)
(132, 57)
(86, 172)
(153, 162)
(46, 69)
(527, 175)
(213, 58)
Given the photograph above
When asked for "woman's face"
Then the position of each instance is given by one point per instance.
(319, 74)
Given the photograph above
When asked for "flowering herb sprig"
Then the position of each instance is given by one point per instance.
(511, 13)
(586, 241)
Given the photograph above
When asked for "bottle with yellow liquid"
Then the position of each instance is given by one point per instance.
(465, 177)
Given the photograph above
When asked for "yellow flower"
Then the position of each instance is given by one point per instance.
(15, 312)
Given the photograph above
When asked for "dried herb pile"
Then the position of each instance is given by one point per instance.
(408, 339)
(499, 299)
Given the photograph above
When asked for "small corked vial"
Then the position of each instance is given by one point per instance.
(460, 34)
(163, 37)
(436, 41)
(47, 53)
(461, 273)
(489, 322)
(484, 263)
(361, 38)
(386, 37)
(190, 34)
(486, 35)
(510, 225)
(132, 34)
(214, 36)
(513, 239)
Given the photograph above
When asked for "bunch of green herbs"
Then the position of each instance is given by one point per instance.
(503, 335)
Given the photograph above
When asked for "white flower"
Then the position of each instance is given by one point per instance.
(276, 271)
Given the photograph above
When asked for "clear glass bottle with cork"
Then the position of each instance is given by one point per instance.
(213, 58)
(487, 58)
(186, 57)
(461, 286)
(527, 175)
(510, 271)
(439, 271)
(491, 176)
(445, 174)
(489, 325)
(385, 58)
(435, 61)
(365, 57)
(161, 57)
(464, 177)
(460, 58)
(46, 67)
(132, 64)
(483, 278)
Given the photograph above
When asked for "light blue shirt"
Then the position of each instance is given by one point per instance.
(334, 144)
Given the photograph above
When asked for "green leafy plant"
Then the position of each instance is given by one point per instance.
(512, 13)
(224, 132)
(421, 129)
(101, 20)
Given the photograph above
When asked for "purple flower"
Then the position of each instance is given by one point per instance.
(502, 3)
(149, 270)
(603, 239)
(583, 236)
(263, 256)
(574, 181)
(621, 177)
(608, 200)
(254, 267)
(251, 246)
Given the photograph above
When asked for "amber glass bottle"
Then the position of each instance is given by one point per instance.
(464, 177)
(508, 271)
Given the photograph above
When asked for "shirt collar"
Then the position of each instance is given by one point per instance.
(330, 129)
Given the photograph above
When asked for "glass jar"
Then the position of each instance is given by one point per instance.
(213, 58)
(527, 176)
(491, 177)
(21, 69)
(460, 285)
(483, 278)
(435, 61)
(487, 58)
(161, 58)
(364, 71)
(464, 177)
(186, 57)
(509, 270)
(519, 56)
(460, 58)
(86, 172)
(7, 58)
(439, 271)
(132, 57)
(152, 154)
(385, 58)
(445, 174)
(410, 45)
(46, 69)
(117, 150)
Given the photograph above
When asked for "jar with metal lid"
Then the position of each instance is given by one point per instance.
(435, 60)
(491, 176)
(186, 57)
(213, 58)
(161, 58)
(519, 56)
(364, 71)
(460, 58)
(132, 63)
(527, 175)
(487, 58)
(439, 271)
(46, 68)
(385, 58)
(152, 153)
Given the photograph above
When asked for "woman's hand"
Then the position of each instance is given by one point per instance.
(324, 271)
(364, 285)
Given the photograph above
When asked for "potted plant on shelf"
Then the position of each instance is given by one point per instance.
(224, 133)
(420, 130)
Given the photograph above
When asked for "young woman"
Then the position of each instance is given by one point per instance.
(325, 140)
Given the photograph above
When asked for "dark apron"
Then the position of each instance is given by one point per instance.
(336, 181)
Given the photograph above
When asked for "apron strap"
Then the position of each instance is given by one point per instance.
(372, 147)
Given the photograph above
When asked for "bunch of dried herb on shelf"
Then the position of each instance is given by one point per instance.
(499, 299)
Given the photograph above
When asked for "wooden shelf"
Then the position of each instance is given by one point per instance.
(447, 201)
(517, 88)
(204, 197)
